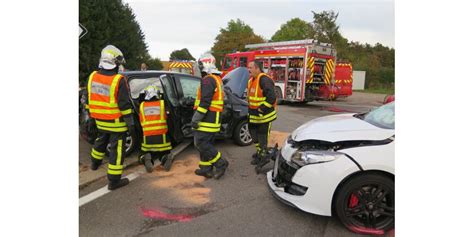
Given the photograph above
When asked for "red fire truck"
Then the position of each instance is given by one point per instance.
(303, 70)
(343, 79)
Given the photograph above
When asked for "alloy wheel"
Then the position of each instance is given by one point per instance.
(245, 134)
(371, 207)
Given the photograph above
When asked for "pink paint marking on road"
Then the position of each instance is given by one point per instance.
(157, 214)
(366, 231)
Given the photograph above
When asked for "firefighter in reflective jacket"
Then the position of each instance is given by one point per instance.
(156, 143)
(206, 122)
(262, 111)
(109, 104)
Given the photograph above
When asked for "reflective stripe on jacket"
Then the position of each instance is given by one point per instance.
(153, 118)
(155, 143)
(256, 98)
(217, 103)
(102, 102)
(211, 121)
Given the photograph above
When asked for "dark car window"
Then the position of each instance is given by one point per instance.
(189, 85)
(227, 63)
(243, 62)
(235, 63)
(169, 90)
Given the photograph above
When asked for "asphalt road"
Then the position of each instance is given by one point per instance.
(179, 203)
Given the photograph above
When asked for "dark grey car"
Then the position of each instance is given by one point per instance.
(179, 93)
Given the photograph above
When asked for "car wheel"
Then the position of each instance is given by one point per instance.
(279, 95)
(87, 128)
(130, 144)
(242, 134)
(366, 204)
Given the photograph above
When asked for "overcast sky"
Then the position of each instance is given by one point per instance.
(170, 25)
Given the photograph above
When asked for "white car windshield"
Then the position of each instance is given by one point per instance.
(383, 116)
(137, 85)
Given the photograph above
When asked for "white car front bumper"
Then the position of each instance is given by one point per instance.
(321, 181)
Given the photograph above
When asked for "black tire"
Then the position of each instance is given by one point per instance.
(131, 144)
(279, 95)
(365, 204)
(87, 129)
(241, 134)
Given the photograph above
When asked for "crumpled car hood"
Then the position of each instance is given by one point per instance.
(341, 127)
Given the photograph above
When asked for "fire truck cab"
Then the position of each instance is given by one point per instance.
(235, 60)
(303, 70)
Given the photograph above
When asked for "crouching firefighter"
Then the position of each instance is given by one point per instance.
(156, 143)
(262, 111)
(206, 122)
(109, 104)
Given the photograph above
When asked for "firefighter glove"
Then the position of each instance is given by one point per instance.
(197, 117)
(131, 125)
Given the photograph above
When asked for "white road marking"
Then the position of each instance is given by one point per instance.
(104, 190)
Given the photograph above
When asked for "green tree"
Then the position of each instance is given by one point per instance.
(109, 22)
(294, 29)
(326, 30)
(154, 63)
(182, 54)
(378, 61)
(233, 38)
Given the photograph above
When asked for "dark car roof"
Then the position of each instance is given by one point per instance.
(151, 72)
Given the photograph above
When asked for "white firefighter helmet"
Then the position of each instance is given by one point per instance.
(111, 57)
(208, 64)
(150, 92)
(207, 59)
(211, 70)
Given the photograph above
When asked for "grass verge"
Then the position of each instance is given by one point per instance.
(387, 91)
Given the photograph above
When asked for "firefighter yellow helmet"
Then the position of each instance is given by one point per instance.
(151, 91)
(111, 57)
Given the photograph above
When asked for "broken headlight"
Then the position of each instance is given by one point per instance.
(303, 158)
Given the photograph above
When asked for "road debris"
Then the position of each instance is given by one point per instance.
(182, 182)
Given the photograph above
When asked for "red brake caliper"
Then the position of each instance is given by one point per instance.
(353, 201)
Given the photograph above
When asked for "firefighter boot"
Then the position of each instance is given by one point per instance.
(204, 170)
(148, 162)
(167, 161)
(115, 184)
(221, 165)
(264, 159)
(255, 159)
(95, 164)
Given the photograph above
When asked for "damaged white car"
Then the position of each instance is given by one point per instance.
(341, 165)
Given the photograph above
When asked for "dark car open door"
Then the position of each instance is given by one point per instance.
(140, 81)
(171, 98)
(186, 87)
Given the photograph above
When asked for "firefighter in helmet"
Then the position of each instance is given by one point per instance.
(262, 111)
(109, 105)
(206, 122)
(156, 143)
